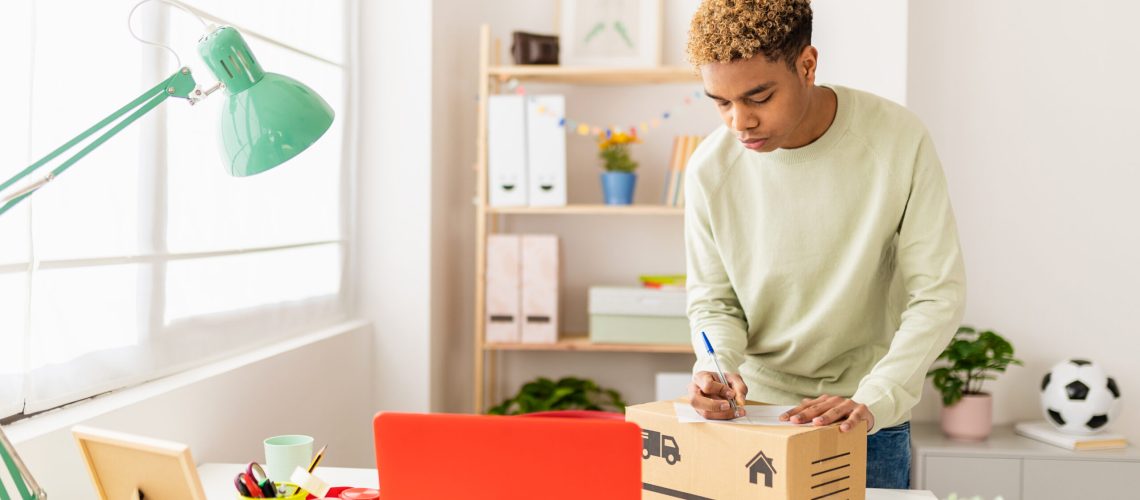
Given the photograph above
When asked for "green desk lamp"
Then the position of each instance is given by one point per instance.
(267, 120)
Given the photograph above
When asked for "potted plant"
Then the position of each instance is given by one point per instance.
(567, 393)
(618, 180)
(971, 359)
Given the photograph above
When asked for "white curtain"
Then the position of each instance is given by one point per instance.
(148, 258)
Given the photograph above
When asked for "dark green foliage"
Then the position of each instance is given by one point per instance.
(971, 359)
(568, 393)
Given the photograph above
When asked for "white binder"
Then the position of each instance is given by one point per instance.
(546, 150)
(540, 270)
(503, 288)
(506, 151)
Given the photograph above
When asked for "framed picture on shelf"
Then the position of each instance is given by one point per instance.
(623, 33)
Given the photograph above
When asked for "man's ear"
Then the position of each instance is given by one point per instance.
(806, 65)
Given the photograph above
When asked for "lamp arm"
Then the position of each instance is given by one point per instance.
(25, 483)
(181, 84)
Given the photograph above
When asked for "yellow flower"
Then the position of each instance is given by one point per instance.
(616, 139)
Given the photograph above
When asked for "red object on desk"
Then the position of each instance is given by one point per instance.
(360, 494)
(506, 458)
(334, 492)
(344, 493)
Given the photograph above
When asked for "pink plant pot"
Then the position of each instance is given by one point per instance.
(970, 419)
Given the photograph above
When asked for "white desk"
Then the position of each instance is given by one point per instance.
(218, 480)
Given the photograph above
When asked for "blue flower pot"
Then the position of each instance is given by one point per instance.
(617, 187)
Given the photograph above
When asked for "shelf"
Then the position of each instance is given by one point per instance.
(590, 210)
(596, 76)
(494, 77)
(582, 343)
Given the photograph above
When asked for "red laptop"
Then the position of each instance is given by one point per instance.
(439, 456)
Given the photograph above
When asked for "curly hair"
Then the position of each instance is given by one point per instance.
(728, 30)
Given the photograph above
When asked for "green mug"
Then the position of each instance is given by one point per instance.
(285, 453)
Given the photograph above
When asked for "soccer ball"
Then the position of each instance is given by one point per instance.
(1078, 397)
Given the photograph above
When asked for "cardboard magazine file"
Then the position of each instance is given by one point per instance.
(728, 461)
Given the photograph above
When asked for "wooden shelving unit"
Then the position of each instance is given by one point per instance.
(588, 210)
(595, 76)
(490, 79)
(580, 342)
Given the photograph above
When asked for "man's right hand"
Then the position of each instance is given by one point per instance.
(710, 397)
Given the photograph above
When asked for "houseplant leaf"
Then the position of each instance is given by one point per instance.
(568, 393)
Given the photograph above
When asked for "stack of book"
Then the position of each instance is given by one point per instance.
(1042, 431)
(683, 147)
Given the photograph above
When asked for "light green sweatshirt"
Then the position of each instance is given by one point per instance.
(833, 268)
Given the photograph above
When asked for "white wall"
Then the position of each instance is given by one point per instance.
(394, 197)
(1031, 108)
(652, 245)
(316, 385)
(862, 45)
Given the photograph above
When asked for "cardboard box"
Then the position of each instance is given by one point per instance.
(730, 461)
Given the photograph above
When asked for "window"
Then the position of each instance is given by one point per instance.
(146, 258)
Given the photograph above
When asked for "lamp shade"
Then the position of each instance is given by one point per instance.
(267, 118)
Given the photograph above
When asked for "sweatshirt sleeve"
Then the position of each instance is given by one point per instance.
(930, 263)
(712, 303)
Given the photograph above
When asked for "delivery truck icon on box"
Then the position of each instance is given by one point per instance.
(654, 443)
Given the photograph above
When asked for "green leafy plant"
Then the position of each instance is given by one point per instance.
(567, 393)
(971, 359)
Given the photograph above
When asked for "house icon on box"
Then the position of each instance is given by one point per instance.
(761, 464)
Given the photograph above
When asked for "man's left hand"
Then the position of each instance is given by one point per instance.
(825, 410)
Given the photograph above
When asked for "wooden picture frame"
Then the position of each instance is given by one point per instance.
(125, 466)
(625, 33)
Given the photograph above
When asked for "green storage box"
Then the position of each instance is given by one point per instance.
(633, 315)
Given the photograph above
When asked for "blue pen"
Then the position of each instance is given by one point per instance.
(723, 379)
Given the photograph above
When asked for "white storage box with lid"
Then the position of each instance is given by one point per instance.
(635, 315)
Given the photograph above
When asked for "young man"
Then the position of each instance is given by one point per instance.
(823, 258)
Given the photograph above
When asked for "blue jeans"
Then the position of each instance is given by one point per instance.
(888, 458)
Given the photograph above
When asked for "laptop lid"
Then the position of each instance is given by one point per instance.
(491, 457)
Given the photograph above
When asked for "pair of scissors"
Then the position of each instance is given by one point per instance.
(254, 483)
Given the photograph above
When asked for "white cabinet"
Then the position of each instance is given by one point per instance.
(1080, 479)
(1018, 468)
